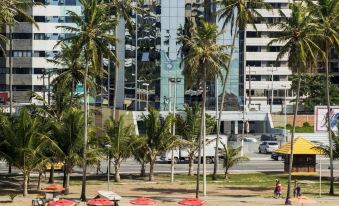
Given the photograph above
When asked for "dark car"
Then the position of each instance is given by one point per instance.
(277, 156)
(267, 137)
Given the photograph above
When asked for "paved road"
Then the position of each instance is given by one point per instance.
(262, 163)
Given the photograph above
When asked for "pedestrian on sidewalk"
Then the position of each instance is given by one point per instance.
(277, 189)
(298, 190)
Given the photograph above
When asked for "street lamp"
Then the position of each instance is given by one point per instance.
(146, 84)
(272, 95)
(173, 80)
(285, 116)
(108, 146)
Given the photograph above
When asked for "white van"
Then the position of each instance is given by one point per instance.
(182, 154)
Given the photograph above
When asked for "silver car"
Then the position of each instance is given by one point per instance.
(268, 146)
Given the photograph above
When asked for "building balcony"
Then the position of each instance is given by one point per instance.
(261, 41)
(268, 71)
(263, 56)
(277, 85)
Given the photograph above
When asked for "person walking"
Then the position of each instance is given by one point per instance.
(298, 190)
(277, 190)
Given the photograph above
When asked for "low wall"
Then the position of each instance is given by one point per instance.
(279, 120)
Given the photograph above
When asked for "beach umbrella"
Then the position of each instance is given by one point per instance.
(100, 202)
(192, 202)
(53, 188)
(62, 203)
(142, 201)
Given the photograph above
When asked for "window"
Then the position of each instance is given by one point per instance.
(253, 63)
(39, 53)
(22, 87)
(253, 48)
(39, 36)
(3, 71)
(274, 48)
(39, 70)
(21, 70)
(21, 35)
(253, 34)
(22, 53)
(39, 18)
(39, 88)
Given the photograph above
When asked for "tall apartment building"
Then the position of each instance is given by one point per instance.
(32, 46)
(154, 68)
(265, 76)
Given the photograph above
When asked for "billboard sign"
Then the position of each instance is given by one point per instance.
(320, 115)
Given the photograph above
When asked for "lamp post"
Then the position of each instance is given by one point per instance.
(272, 94)
(173, 80)
(285, 116)
(146, 84)
(108, 146)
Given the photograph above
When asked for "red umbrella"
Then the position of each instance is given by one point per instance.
(53, 187)
(192, 202)
(100, 202)
(61, 203)
(142, 201)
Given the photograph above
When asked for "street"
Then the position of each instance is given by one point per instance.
(256, 164)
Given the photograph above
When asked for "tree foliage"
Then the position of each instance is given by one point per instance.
(313, 89)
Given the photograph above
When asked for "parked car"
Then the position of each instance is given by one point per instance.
(268, 137)
(250, 139)
(268, 146)
(277, 156)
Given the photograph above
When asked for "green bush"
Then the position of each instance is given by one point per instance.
(306, 124)
(12, 196)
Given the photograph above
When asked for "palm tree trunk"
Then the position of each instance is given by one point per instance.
(84, 163)
(221, 108)
(117, 171)
(51, 175)
(9, 168)
(72, 92)
(68, 175)
(151, 169)
(329, 120)
(64, 178)
(39, 181)
(290, 165)
(190, 164)
(25, 184)
(142, 170)
(197, 189)
(116, 73)
(10, 61)
(203, 128)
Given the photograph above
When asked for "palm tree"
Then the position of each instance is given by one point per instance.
(25, 142)
(231, 158)
(204, 61)
(11, 10)
(189, 129)
(68, 134)
(158, 136)
(298, 34)
(92, 35)
(119, 137)
(72, 72)
(237, 13)
(140, 154)
(326, 15)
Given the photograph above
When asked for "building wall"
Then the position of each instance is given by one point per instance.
(260, 61)
(33, 45)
